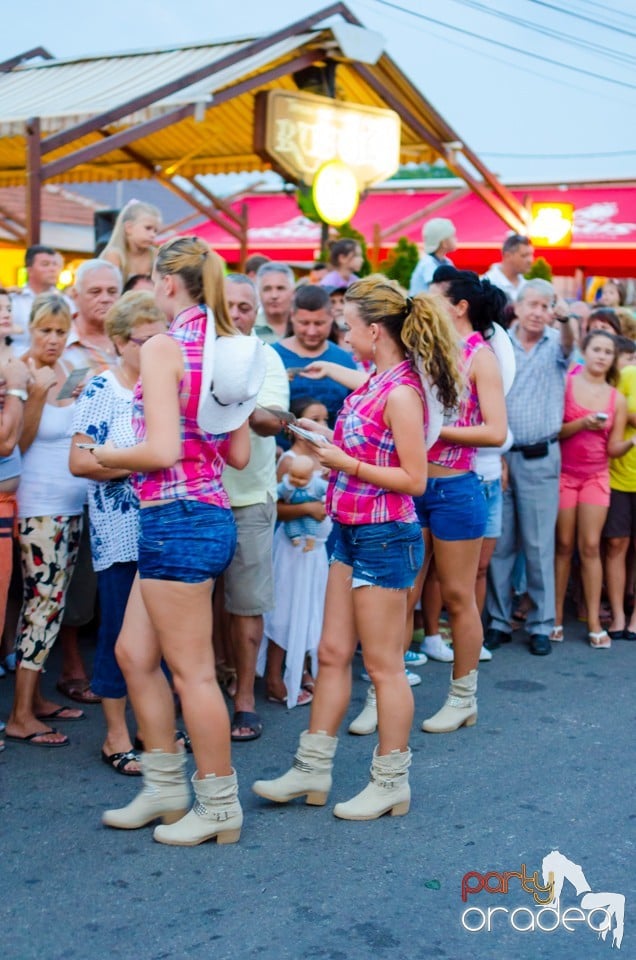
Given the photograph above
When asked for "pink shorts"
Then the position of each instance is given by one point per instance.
(594, 490)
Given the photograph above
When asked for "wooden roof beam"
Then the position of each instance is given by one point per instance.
(8, 65)
(116, 141)
(512, 215)
(102, 120)
(426, 211)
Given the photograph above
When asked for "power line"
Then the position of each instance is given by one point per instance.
(581, 16)
(605, 9)
(558, 156)
(512, 64)
(507, 46)
(549, 32)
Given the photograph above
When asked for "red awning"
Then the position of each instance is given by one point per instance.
(604, 235)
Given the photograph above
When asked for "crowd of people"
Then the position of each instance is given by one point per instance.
(223, 474)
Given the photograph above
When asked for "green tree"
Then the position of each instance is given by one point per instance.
(401, 262)
(540, 270)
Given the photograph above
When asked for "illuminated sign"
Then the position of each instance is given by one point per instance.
(551, 224)
(300, 132)
(335, 193)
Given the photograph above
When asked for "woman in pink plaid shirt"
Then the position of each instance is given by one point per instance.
(378, 463)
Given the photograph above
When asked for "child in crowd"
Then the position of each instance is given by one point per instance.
(292, 629)
(301, 485)
(132, 244)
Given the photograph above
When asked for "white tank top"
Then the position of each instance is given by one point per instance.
(47, 486)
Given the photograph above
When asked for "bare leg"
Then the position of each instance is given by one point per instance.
(415, 592)
(22, 721)
(487, 549)
(274, 671)
(181, 617)
(565, 539)
(379, 613)
(456, 562)
(246, 633)
(117, 735)
(335, 653)
(615, 574)
(72, 664)
(139, 655)
(591, 522)
(431, 601)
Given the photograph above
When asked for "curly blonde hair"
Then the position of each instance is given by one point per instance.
(420, 324)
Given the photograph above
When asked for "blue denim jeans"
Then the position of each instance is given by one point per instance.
(113, 585)
(380, 554)
(185, 540)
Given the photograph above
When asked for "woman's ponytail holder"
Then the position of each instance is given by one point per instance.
(408, 306)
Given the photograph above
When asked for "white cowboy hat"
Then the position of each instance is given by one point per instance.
(232, 374)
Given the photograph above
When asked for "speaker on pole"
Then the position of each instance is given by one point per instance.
(103, 223)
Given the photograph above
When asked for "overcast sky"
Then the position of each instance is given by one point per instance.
(483, 65)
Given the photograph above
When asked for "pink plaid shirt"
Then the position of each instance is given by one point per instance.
(362, 433)
(454, 455)
(197, 473)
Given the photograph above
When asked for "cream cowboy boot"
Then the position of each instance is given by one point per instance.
(309, 776)
(387, 791)
(164, 794)
(460, 708)
(216, 813)
(367, 719)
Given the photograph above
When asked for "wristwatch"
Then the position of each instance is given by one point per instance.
(20, 394)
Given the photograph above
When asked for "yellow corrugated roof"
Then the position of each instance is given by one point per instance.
(62, 93)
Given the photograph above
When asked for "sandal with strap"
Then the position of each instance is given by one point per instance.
(119, 762)
(600, 640)
(556, 634)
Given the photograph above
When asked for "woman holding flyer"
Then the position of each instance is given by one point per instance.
(50, 504)
(378, 463)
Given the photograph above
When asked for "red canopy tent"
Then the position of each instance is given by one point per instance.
(604, 234)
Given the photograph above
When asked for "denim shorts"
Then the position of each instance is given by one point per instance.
(453, 508)
(494, 504)
(185, 540)
(381, 554)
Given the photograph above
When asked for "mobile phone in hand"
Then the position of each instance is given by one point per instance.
(86, 446)
(73, 381)
(601, 416)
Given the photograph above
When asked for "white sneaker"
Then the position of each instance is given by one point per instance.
(435, 649)
(485, 654)
(414, 679)
(413, 659)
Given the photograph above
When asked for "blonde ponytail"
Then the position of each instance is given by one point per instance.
(201, 270)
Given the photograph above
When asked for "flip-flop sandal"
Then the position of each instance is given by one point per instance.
(78, 690)
(31, 739)
(119, 762)
(59, 714)
(245, 719)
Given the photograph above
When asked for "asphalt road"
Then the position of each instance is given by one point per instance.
(549, 766)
